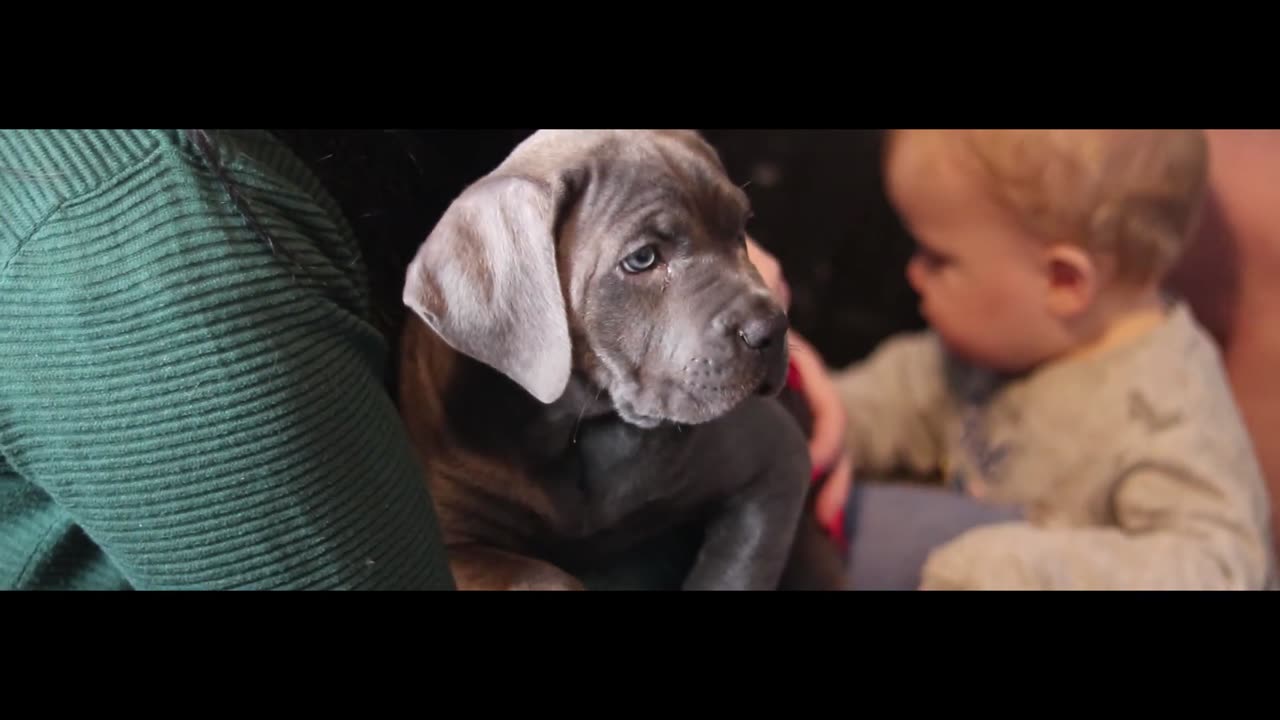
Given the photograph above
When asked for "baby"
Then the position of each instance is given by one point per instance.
(1056, 377)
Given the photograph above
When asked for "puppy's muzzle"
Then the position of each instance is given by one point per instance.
(760, 330)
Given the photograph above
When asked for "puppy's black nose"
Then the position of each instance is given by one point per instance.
(764, 331)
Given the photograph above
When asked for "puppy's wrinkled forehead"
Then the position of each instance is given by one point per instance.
(634, 177)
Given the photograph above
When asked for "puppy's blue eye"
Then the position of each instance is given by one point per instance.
(639, 261)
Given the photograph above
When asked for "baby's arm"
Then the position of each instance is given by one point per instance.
(894, 400)
(1179, 525)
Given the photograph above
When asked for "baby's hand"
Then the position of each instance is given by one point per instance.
(828, 452)
(834, 497)
(771, 271)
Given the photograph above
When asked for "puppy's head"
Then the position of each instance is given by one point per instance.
(616, 255)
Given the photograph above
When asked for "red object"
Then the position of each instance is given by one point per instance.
(793, 377)
(836, 531)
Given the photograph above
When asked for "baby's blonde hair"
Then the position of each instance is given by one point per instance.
(1134, 195)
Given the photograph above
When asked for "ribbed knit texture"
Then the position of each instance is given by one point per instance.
(179, 406)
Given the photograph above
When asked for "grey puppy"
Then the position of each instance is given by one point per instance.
(591, 362)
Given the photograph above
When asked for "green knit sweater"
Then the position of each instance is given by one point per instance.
(181, 406)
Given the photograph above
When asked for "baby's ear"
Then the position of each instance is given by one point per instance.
(1074, 278)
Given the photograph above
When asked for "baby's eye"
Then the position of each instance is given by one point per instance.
(931, 259)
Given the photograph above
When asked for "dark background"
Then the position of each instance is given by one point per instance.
(820, 208)
(817, 196)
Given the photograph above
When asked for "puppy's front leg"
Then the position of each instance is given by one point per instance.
(749, 538)
(476, 567)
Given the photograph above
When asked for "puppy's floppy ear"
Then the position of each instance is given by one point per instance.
(486, 281)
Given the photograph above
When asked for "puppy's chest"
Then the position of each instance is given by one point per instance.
(611, 478)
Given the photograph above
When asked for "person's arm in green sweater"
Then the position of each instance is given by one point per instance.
(209, 415)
